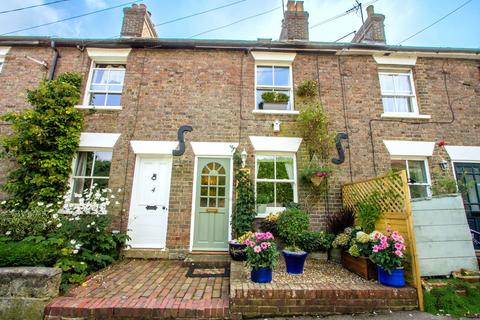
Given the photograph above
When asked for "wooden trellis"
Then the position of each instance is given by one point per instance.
(393, 196)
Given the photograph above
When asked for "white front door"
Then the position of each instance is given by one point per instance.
(148, 217)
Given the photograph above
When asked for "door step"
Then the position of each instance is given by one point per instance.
(203, 260)
(145, 254)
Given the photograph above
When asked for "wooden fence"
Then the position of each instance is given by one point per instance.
(392, 194)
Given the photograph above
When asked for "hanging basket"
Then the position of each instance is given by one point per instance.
(316, 180)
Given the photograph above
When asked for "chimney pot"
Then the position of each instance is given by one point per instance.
(370, 11)
(291, 5)
(299, 6)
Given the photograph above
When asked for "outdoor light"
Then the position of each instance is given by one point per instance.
(444, 165)
(244, 157)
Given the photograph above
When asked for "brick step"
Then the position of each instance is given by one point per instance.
(214, 260)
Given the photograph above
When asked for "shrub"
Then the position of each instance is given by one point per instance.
(269, 224)
(275, 97)
(244, 214)
(307, 88)
(291, 223)
(29, 252)
(368, 213)
(314, 241)
(340, 220)
(19, 224)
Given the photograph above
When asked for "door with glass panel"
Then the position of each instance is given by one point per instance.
(212, 204)
(468, 175)
(275, 182)
(417, 174)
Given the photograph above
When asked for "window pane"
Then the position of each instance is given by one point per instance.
(403, 104)
(388, 104)
(284, 168)
(79, 186)
(115, 88)
(102, 164)
(402, 84)
(265, 167)
(418, 191)
(203, 202)
(97, 99)
(265, 193)
(264, 76)
(116, 76)
(417, 171)
(259, 97)
(282, 76)
(83, 166)
(386, 83)
(114, 99)
(98, 87)
(99, 76)
(284, 194)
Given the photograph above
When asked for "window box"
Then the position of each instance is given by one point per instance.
(273, 106)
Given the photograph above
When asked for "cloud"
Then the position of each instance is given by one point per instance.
(96, 4)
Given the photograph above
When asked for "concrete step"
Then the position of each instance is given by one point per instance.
(145, 254)
(207, 260)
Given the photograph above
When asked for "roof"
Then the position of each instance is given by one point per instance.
(161, 43)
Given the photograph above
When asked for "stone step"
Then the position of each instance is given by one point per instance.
(207, 260)
(145, 254)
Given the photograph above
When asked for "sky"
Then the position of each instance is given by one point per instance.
(403, 18)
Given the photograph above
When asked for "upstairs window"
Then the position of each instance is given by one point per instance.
(106, 85)
(91, 171)
(398, 93)
(417, 174)
(273, 78)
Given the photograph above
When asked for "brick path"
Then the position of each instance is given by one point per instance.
(138, 289)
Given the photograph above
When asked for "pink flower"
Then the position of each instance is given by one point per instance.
(257, 249)
(383, 238)
(399, 253)
(389, 230)
(268, 235)
(264, 245)
(398, 246)
(252, 244)
(376, 248)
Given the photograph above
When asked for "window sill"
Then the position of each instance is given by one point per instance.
(286, 112)
(405, 116)
(84, 107)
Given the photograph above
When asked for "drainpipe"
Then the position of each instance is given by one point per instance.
(53, 65)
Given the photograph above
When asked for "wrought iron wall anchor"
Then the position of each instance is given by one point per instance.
(181, 140)
(338, 144)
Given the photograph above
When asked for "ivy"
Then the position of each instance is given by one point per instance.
(43, 142)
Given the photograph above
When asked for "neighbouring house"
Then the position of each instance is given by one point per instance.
(393, 102)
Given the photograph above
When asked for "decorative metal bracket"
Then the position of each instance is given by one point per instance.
(181, 140)
(338, 144)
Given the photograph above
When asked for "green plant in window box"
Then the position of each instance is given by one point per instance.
(262, 201)
(274, 100)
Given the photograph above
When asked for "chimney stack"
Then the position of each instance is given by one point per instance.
(295, 22)
(137, 23)
(373, 30)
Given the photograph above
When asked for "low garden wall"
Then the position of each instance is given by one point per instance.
(24, 291)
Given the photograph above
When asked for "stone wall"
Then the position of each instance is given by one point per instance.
(25, 291)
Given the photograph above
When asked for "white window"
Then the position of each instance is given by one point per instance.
(275, 183)
(418, 176)
(91, 171)
(1, 66)
(3, 54)
(273, 78)
(105, 85)
(398, 92)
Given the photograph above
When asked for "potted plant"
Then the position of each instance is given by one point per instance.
(274, 101)
(237, 247)
(388, 253)
(314, 173)
(269, 224)
(294, 259)
(262, 201)
(340, 243)
(356, 259)
(316, 243)
(262, 256)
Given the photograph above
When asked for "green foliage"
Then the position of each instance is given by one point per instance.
(269, 224)
(368, 213)
(261, 251)
(314, 169)
(44, 141)
(244, 215)
(290, 225)
(29, 252)
(293, 249)
(19, 224)
(307, 88)
(443, 183)
(275, 97)
(314, 241)
(445, 300)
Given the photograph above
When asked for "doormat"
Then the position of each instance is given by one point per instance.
(205, 272)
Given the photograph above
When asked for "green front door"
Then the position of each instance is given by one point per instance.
(212, 204)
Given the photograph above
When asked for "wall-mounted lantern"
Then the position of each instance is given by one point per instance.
(444, 165)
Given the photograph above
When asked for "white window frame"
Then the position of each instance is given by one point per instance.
(295, 180)
(291, 101)
(427, 172)
(412, 96)
(3, 54)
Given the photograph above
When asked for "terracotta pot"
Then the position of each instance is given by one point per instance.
(316, 180)
(361, 266)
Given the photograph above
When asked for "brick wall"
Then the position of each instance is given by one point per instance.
(213, 90)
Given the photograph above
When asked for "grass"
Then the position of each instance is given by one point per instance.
(449, 300)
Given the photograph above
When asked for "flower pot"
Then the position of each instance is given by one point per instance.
(275, 106)
(361, 266)
(335, 255)
(294, 261)
(261, 275)
(237, 251)
(261, 208)
(396, 279)
(316, 180)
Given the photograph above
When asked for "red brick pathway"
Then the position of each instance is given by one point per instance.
(144, 289)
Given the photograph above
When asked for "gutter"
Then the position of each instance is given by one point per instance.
(53, 64)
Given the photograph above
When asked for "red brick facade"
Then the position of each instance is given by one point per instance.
(213, 90)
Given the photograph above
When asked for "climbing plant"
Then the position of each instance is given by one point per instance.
(245, 203)
(43, 141)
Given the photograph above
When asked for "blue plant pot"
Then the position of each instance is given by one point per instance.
(294, 261)
(396, 279)
(261, 275)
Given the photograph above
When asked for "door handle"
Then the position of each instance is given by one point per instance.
(151, 207)
(212, 210)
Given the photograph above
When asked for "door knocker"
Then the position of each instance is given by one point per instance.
(154, 177)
